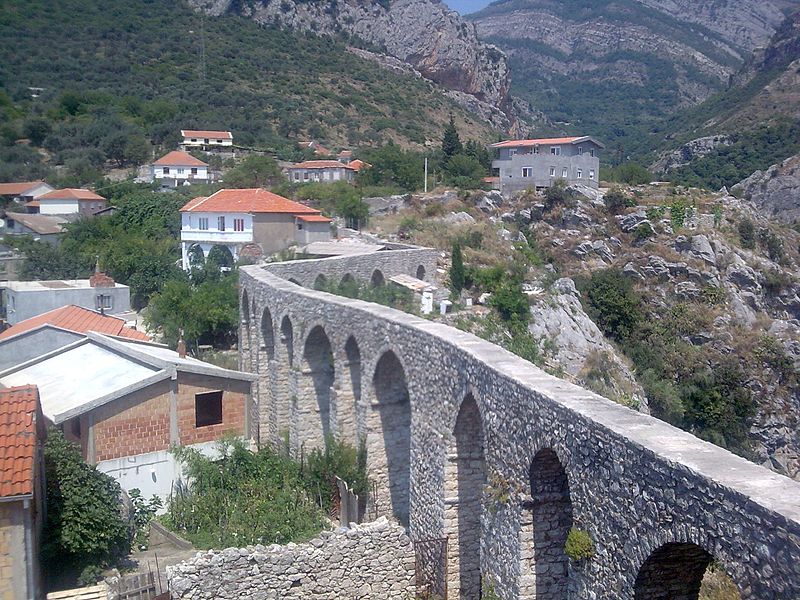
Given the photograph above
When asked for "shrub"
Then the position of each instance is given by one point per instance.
(85, 531)
(747, 234)
(556, 195)
(615, 201)
(772, 244)
(511, 302)
(643, 232)
(338, 459)
(579, 545)
(612, 303)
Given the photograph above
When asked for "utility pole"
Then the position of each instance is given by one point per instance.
(426, 174)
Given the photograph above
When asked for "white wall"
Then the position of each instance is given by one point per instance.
(58, 207)
(175, 173)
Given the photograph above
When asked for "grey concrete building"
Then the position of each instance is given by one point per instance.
(43, 228)
(20, 300)
(538, 163)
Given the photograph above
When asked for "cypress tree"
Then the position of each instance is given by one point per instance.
(451, 142)
(457, 274)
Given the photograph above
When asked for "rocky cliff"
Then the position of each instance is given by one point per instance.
(436, 41)
(775, 191)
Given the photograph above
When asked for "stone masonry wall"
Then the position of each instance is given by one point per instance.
(371, 561)
(634, 483)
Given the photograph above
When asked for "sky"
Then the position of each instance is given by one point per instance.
(467, 6)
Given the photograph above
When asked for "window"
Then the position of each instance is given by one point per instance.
(536, 149)
(194, 171)
(591, 152)
(165, 170)
(221, 223)
(296, 176)
(299, 226)
(202, 223)
(580, 149)
(205, 141)
(511, 152)
(564, 172)
(103, 301)
(552, 171)
(238, 224)
(219, 141)
(591, 174)
(194, 139)
(527, 171)
(555, 150)
(305, 175)
(180, 171)
(580, 174)
(207, 409)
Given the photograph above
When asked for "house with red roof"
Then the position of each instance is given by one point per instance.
(179, 168)
(24, 191)
(58, 328)
(252, 221)
(538, 163)
(321, 171)
(22, 496)
(206, 140)
(67, 201)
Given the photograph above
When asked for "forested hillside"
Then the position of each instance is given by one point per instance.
(143, 69)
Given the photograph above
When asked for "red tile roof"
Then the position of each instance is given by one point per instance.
(77, 319)
(321, 164)
(542, 141)
(199, 133)
(70, 193)
(358, 164)
(176, 158)
(20, 422)
(314, 218)
(18, 187)
(251, 200)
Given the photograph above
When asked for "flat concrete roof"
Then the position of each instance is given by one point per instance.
(53, 284)
(343, 248)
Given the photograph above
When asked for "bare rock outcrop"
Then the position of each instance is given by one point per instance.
(775, 191)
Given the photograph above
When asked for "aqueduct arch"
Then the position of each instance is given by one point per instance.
(315, 387)
(349, 397)
(673, 571)
(389, 437)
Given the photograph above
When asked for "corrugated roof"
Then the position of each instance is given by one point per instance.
(109, 368)
(71, 194)
(321, 164)
(250, 200)
(77, 319)
(41, 224)
(314, 218)
(176, 158)
(16, 188)
(199, 133)
(544, 141)
(19, 409)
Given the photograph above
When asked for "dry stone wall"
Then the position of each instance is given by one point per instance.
(554, 455)
(372, 561)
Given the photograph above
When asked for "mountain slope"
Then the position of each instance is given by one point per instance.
(270, 87)
(424, 33)
(616, 68)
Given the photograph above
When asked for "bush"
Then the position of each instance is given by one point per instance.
(612, 303)
(747, 234)
(773, 245)
(337, 459)
(84, 531)
(615, 201)
(511, 302)
(579, 545)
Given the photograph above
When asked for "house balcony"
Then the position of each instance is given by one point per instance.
(216, 237)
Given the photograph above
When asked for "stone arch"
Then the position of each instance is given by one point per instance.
(347, 279)
(221, 256)
(544, 530)
(674, 571)
(377, 278)
(464, 480)
(284, 381)
(348, 286)
(321, 282)
(315, 390)
(350, 397)
(267, 334)
(196, 256)
(420, 274)
(244, 307)
(389, 438)
(287, 339)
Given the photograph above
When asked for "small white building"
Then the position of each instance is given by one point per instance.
(208, 141)
(68, 201)
(254, 218)
(179, 168)
(323, 171)
(24, 191)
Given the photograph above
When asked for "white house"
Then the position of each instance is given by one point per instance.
(254, 220)
(179, 168)
(325, 171)
(68, 201)
(207, 141)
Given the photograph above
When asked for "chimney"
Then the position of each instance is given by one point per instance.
(100, 279)
(181, 345)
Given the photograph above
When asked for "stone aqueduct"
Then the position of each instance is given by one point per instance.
(468, 441)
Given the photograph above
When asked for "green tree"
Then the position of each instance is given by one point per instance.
(136, 150)
(612, 303)
(451, 142)
(254, 171)
(84, 529)
(353, 210)
(457, 272)
(464, 171)
(510, 301)
(36, 129)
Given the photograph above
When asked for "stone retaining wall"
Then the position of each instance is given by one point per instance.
(371, 561)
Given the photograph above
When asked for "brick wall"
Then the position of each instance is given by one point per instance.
(137, 424)
(234, 404)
